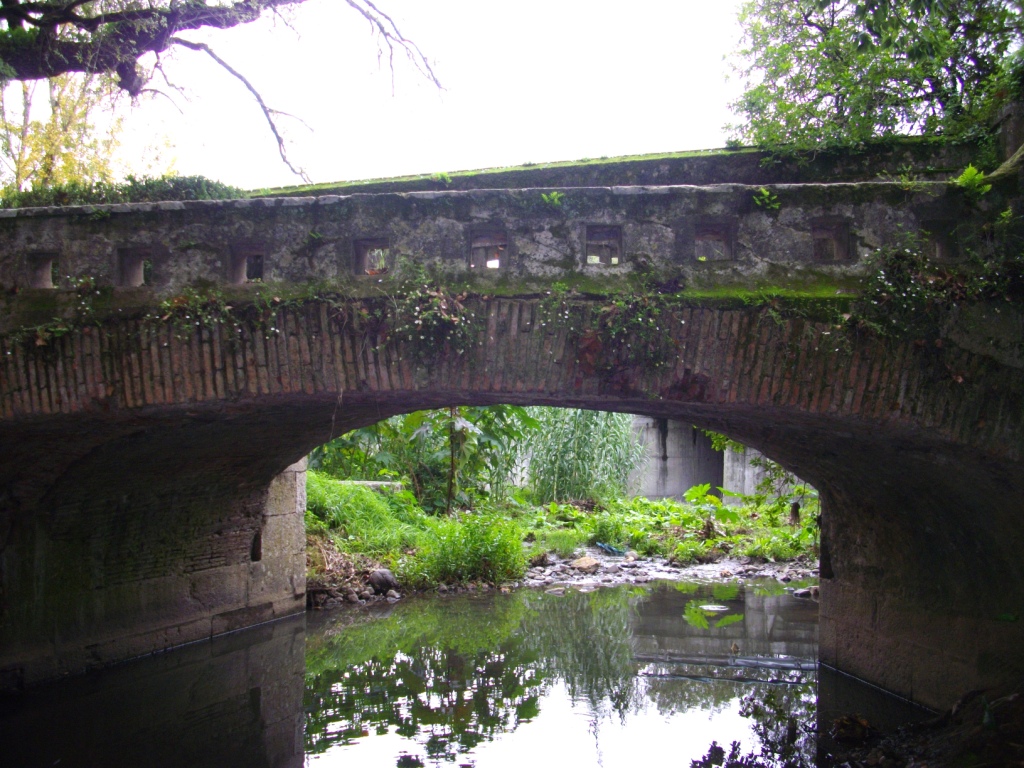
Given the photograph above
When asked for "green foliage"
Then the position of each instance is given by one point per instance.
(690, 551)
(83, 312)
(431, 319)
(710, 508)
(832, 72)
(131, 190)
(553, 198)
(772, 547)
(442, 178)
(474, 450)
(766, 199)
(192, 309)
(362, 520)
(67, 144)
(720, 442)
(910, 295)
(577, 454)
(563, 542)
(634, 327)
(972, 182)
(476, 547)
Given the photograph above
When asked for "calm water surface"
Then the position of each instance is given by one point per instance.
(613, 677)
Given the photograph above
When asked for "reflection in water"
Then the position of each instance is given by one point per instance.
(472, 680)
(231, 702)
(611, 677)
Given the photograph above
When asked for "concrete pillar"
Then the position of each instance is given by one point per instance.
(740, 474)
(679, 456)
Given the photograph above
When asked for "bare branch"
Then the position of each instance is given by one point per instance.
(267, 111)
(109, 37)
(159, 67)
(387, 31)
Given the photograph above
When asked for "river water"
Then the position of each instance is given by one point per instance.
(622, 676)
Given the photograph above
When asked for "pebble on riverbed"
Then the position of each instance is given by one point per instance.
(600, 569)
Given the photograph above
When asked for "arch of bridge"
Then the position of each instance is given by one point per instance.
(120, 436)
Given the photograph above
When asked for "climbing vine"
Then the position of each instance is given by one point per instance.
(909, 294)
(192, 309)
(427, 316)
(636, 328)
(83, 311)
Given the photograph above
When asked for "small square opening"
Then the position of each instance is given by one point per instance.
(488, 250)
(131, 268)
(43, 270)
(942, 240)
(831, 238)
(713, 239)
(246, 267)
(710, 249)
(824, 248)
(604, 245)
(373, 256)
(253, 267)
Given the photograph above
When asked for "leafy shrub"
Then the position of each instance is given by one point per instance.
(131, 190)
(475, 548)
(772, 547)
(564, 542)
(418, 448)
(693, 551)
(607, 528)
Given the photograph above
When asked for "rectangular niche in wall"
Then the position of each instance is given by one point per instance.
(488, 249)
(246, 265)
(604, 245)
(372, 256)
(133, 267)
(941, 238)
(831, 237)
(714, 239)
(43, 271)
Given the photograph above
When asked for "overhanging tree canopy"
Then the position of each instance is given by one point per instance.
(46, 38)
(849, 70)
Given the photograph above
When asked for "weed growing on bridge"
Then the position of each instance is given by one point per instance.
(766, 199)
(972, 182)
(911, 295)
(192, 310)
(634, 328)
(553, 198)
(428, 317)
(84, 311)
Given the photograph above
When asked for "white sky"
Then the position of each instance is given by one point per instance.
(524, 81)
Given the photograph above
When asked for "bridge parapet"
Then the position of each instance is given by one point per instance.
(709, 236)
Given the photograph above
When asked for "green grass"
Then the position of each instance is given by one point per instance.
(424, 550)
(361, 520)
(475, 547)
(487, 545)
(564, 542)
(675, 529)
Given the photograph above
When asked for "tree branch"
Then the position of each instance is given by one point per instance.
(267, 111)
(47, 38)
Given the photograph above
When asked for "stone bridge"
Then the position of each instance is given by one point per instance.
(154, 415)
